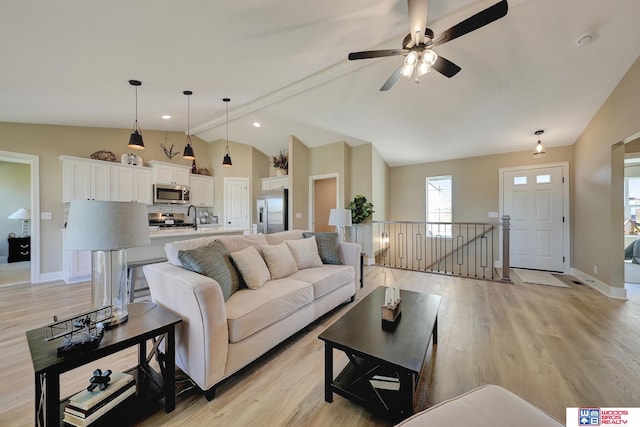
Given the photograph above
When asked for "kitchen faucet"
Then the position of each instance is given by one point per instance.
(195, 216)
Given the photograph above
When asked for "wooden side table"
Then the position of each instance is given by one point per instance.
(19, 249)
(147, 321)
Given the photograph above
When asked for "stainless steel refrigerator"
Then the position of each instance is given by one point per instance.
(272, 210)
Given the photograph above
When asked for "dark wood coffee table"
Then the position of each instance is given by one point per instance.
(147, 321)
(374, 351)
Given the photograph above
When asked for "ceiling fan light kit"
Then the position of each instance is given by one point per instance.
(135, 140)
(418, 47)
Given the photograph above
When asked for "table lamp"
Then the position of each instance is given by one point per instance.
(25, 216)
(107, 229)
(340, 218)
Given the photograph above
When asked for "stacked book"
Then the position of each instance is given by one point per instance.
(86, 406)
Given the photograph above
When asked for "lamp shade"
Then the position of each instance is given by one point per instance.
(103, 226)
(21, 213)
(340, 217)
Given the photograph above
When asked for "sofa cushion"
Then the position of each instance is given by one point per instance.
(251, 266)
(172, 248)
(325, 279)
(237, 242)
(327, 247)
(280, 261)
(305, 252)
(485, 406)
(251, 311)
(281, 236)
(212, 260)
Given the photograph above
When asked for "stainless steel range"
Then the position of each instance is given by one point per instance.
(161, 220)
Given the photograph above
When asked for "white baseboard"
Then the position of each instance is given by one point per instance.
(610, 291)
(50, 277)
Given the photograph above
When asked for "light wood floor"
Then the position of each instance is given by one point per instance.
(15, 273)
(555, 347)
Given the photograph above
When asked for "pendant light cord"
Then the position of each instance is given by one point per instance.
(227, 104)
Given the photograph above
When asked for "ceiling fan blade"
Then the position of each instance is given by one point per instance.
(393, 78)
(446, 67)
(417, 19)
(478, 20)
(376, 53)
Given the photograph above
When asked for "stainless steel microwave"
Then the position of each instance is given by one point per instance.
(171, 194)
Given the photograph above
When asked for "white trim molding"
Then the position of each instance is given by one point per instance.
(607, 290)
(34, 162)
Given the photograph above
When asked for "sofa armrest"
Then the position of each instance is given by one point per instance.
(203, 336)
(350, 253)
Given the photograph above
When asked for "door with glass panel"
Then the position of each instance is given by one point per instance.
(534, 199)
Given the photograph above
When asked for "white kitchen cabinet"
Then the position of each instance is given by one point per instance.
(275, 182)
(85, 179)
(76, 266)
(202, 188)
(131, 184)
(167, 173)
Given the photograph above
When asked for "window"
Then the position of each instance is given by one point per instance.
(519, 180)
(439, 204)
(543, 179)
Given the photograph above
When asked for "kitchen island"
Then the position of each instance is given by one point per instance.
(155, 249)
(166, 235)
(77, 264)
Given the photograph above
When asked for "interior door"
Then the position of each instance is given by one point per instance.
(324, 199)
(534, 198)
(236, 202)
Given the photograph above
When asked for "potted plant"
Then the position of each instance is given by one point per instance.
(281, 163)
(361, 210)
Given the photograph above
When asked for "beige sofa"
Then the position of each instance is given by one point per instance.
(218, 338)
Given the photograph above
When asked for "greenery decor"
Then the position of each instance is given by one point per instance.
(281, 161)
(361, 210)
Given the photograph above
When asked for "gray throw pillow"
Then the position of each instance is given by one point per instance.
(327, 246)
(214, 261)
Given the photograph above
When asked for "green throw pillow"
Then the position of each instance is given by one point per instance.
(212, 260)
(327, 247)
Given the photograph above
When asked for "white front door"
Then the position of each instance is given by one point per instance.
(236, 202)
(534, 199)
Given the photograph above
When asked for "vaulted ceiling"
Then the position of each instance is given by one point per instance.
(284, 64)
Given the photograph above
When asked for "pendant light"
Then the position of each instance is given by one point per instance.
(135, 140)
(188, 149)
(539, 149)
(226, 162)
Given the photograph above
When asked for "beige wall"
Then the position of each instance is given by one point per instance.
(15, 193)
(597, 226)
(380, 186)
(330, 159)
(298, 184)
(475, 184)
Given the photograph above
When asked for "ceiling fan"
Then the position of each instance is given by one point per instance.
(418, 44)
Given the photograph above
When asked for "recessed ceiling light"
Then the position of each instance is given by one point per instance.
(256, 124)
(166, 116)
